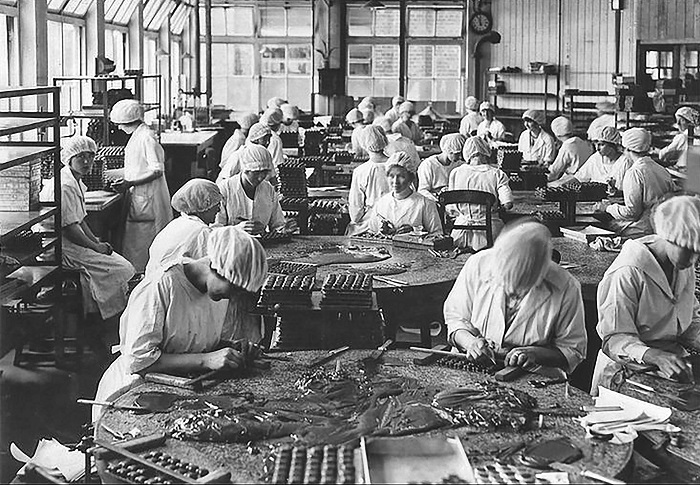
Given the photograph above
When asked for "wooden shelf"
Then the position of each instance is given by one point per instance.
(11, 156)
(12, 125)
(29, 276)
(27, 91)
(25, 256)
(13, 222)
(536, 95)
(523, 73)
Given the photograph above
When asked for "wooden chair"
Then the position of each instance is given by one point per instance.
(477, 197)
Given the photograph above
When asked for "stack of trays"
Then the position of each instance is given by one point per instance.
(591, 191)
(508, 157)
(269, 238)
(287, 290)
(113, 156)
(371, 238)
(292, 176)
(343, 157)
(347, 290)
(292, 268)
(328, 206)
(556, 194)
(545, 216)
(318, 464)
(95, 180)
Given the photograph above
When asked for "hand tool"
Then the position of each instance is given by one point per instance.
(377, 354)
(166, 379)
(113, 405)
(332, 354)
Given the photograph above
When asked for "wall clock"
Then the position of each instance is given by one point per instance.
(480, 22)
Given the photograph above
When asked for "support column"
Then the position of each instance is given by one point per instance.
(164, 68)
(33, 46)
(136, 36)
(329, 34)
(95, 34)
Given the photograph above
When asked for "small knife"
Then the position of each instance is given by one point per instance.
(377, 354)
(563, 467)
(332, 354)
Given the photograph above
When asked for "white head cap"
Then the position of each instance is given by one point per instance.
(397, 100)
(289, 112)
(126, 111)
(272, 117)
(246, 120)
(636, 140)
(407, 107)
(197, 195)
(258, 131)
(373, 139)
(609, 134)
(677, 220)
(562, 126)
(471, 103)
(452, 143)
(255, 157)
(402, 159)
(475, 145)
(75, 145)
(237, 257)
(275, 102)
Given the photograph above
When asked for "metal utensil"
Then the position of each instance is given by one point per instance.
(563, 467)
(112, 405)
(332, 354)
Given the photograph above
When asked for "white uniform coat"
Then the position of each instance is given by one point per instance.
(103, 278)
(236, 141)
(550, 315)
(275, 149)
(165, 314)
(470, 123)
(638, 309)
(494, 131)
(415, 210)
(646, 181)
(237, 207)
(414, 133)
(149, 204)
(434, 177)
(598, 124)
(392, 114)
(185, 236)
(368, 184)
(601, 169)
(356, 143)
(573, 153)
(486, 178)
(540, 150)
(677, 149)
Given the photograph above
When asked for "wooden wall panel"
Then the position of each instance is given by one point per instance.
(672, 21)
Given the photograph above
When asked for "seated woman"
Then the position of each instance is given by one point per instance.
(573, 151)
(290, 118)
(645, 183)
(608, 165)
(369, 180)
(490, 129)
(392, 114)
(403, 209)
(647, 309)
(354, 118)
(249, 201)
(245, 121)
(512, 301)
(477, 174)
(398, 143)
(103, 273)
(536, 145)
(259, 134)
(434, 172)
(677, 151)
(470, 123)
(406, 112)
(198, 202)
(174, 320)
(605, 112)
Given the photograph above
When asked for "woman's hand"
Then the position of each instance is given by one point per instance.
(474, 347)
(387, 228)
(226, 358)
(405, 229)
(522, 357)
(251, 227)
(104, 248)
(670, 365)
(121, 185)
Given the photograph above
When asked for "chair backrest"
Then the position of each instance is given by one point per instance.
(477, 197)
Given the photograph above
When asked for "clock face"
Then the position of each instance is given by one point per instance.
(480, 22)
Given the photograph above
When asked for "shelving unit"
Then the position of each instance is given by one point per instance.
(581, 113)
(87, 85)
(548, 80)
(37, 127)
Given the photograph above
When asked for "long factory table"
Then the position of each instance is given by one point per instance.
(245, 461)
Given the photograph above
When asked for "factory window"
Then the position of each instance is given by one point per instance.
(117, 48)
(119, 11)
(64, 59)
(9, 59)
(363, 22)
(692, 61)
(659, 63)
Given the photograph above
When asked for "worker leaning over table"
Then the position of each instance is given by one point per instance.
(245, 121)
(198, 202)
(513, 301)
(354, 118)
(573, 152)
(609, 163)
(148, 198)
(174, 320)
(536, 145)
(677, 150)
(605, 117)
(249, 201)
(434, 172)
(392, 114)
(259, 134)
(647, 309)
(472, 119)
(406, 112)
(103, 273)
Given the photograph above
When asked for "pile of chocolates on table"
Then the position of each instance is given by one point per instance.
(354, 290)
(583, 192)
(292, 268)
(292, 179)
(287, 290)
(317, 464)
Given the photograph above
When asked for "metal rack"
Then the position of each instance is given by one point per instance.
(548, 79)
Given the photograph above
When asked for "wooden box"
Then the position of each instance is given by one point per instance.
(20, 186)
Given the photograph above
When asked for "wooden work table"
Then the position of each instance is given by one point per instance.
(104, 214)
(245, 461)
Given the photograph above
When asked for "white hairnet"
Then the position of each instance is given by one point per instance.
(126, 111)
(691, 115)
(373, 139)
(397, 100)
(678, 221)
(471, 103)
(75, 145)
(197, 195)
(246, 120)
(521, 256)
(401, 128)
(562, 126)
(237, 257)
(407, 107)
(535, 115)
(255, 157)
(354, 116)
(406, 145)
(474, 145)
(367, 115)
(383, 122)
(609, 134)
(289, 112)
(275, 102)
(258, 131)
(367, 102)
(486, 105)
(605, 107)
(272, 117)
(402, 159)
(636, 140)
(452, 143)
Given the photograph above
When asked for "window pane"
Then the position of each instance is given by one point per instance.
(359, 87)
(241, 95)
(239, 21)
(419, 89)
(272, 86)
(666, 59)
(272, 22)
(384, 88)
(55, 48)
(420, 61)
(445, 90)
(218, 21)
(652, 58)
(421, 22)
(691, 58)
(299, 20)
(298, 89)
(240, 59)
(299, 61)
(387, 22)
(219, 68)
(359, 60)
(386, 60)
(55, 5)
(273, 60)
(219, 92)
(446, 61)
(449, 23)
(359, 21)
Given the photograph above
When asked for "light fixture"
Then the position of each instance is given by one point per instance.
(374, 5)
(162, 52)
(617, 5)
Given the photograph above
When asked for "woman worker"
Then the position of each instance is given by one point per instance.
(406, 112)
(645, 183)
(647, 309)
(249, 201)
(477, 174)
(609, 164)
(470, 123)
(392, 114)
(259, 134)
(536, 145)
(513, 301)
(434, 172)
(369, 180)
(245, 121)
(290, 117)
(198, 202)
(148, 197)
(573, 152)
(272, 117)
(103, 273)
(605, 117)
(174, 320)
(403, 209)
(354, 118)
(677, 150)
(490, 129)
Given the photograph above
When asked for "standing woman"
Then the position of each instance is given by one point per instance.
(434, 172)
(406, 112)
(259, 134)
(239, 135)
(536, 145)
(573, 152)
(490, 129)
(471, 121)
(148, 198)
(355, 119)
(272, 117)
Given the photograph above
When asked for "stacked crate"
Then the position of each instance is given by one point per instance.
(20, 186)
